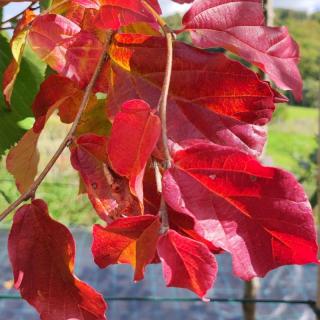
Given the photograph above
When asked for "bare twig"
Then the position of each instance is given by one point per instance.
(33, 188)
(6, 28)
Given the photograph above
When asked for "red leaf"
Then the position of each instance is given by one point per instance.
(108, 193)
(82, 57)
(65, 48)
(185, 225)
(116, 13)
(187, 263)
(131, 240)
(239, 27)
(152, 198)
(56, 92)
(243, 207)
(42, 253)
(50, 37)
(135, 133)
(211, 97)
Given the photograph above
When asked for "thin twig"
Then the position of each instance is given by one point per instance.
(162, 107)
(6, 28)
(163, 209)
(33, 188)
(158, 176)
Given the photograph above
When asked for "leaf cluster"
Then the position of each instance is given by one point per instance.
(166, 138)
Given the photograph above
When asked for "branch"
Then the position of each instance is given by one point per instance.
(162, 105)
(68, 139)
(162, 108)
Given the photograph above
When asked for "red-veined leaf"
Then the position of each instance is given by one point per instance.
(116, 13)
(260, 215)
(131, 240)
(65, 48)
(239, 27)
(50, 37)
(185, 225)
(42, 253)
(187, 263)
(211, 97)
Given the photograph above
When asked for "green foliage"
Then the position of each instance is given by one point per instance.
(306, 31)
(44, 4)
(12, 123)
(292, 139)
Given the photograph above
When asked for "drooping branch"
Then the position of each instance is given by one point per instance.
(68, 139)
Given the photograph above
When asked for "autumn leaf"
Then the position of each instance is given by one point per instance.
(108, 193)
(17, 43)
(239, 27)
(50, 37)
(134, 135)
(211, 97)
(23, 160)
(243, 207)
(67, 49)
(185, 225)
(131, 240)
(56, 92)
(42, 253)
(116, 13)
(187, 263)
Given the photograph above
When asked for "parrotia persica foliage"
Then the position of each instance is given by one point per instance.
(209, 196)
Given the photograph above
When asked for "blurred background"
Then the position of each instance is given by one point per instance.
(292, 145)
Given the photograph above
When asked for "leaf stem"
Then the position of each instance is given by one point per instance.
(162, 108)
(69, 137)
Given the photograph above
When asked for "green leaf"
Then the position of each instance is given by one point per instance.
(44, 4)
(27, 85)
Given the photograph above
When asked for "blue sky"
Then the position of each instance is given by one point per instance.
(171, 7)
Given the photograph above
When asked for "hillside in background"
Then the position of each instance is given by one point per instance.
(306, 31)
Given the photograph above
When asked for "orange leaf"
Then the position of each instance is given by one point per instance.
(23, 160)
(130, 240)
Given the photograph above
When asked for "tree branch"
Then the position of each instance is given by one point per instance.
(162, 107)
(68, 139)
